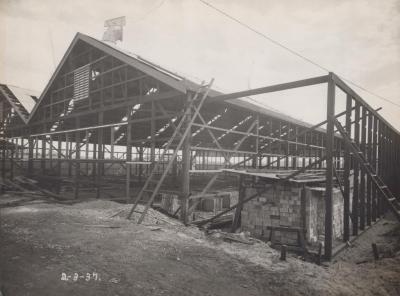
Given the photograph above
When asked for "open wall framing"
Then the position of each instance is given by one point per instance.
(108, 113)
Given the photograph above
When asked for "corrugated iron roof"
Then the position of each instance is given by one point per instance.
(22, 100)
(25, 96)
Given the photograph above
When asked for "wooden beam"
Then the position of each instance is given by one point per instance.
(95, 127)
(126, 102)
(269, 89)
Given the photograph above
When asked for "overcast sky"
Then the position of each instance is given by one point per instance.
(358, 39)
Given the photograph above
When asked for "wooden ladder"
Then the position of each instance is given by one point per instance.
(392, 201)
(177, 136)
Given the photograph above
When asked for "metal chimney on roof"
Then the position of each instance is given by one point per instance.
(114, 29)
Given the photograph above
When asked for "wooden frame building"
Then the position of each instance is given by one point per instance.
(106, 108)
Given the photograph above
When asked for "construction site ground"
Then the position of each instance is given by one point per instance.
(90, 248)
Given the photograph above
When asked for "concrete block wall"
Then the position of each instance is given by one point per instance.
(280, 206)
(171, 202)
(288, 207)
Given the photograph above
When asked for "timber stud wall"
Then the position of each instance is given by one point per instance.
(380, 147)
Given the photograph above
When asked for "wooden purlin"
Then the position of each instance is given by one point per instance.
(171, 160)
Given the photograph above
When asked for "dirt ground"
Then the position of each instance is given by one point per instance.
(43, 246)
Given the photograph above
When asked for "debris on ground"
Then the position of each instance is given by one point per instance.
(164, 257)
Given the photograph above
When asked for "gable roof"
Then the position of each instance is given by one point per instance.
(170, 78)
(173, 80)
(21, 99)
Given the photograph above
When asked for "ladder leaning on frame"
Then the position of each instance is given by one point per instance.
(202, 91)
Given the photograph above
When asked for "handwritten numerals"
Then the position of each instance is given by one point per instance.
(74, 277)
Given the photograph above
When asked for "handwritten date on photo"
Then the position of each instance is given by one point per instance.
(80, 277)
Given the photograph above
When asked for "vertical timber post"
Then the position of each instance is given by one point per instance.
(87, 136)
(152, 133)
(373, 162)
(238, 211)
(12, 148)
(256, 156)
(30, 156)
(379, 166)
(362, 170)
(59, 155)
(369, 182)
(329, 167)
(294, 159)
(43, 156)
(3, 158)
(77, 157)
(346, 176)
(356, 167)
(141, 151)
(186, 166)
(68, 152)
(128, 155)
(51, 152)
(100, 156)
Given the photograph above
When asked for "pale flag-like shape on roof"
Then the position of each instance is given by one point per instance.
(114, 29)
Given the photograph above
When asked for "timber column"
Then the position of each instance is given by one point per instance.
(186, 165)
(100, 155)
(329, 167)
(30, 156)
(3, 157)
(346, 175)
(77, 158)
(128, 157)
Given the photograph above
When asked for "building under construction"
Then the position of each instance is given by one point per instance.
(109, 119)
